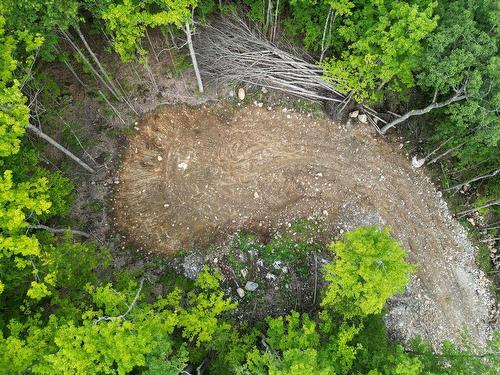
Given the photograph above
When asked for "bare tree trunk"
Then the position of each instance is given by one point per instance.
(489, 204)
(91, 67)
(156, 89)
(193, 58)
(445, 153)
(275, 26)
(475, 179)
(268, 16)
(112, 107)
(323, 49)
(152, 47)
(98, 63)
(59, 230)
(68, 153)
(70, 67)
(418, 112)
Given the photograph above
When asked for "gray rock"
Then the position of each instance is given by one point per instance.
(363, 118)
(251, 286)
(240, 292)
(354, 114)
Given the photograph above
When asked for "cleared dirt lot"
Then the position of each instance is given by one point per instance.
(192, 176)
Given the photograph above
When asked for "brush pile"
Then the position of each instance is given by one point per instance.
(231, 51)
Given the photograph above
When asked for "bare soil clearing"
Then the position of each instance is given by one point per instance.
(191, 177)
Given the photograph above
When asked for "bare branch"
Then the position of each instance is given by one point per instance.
(59, 230)
(418, 112)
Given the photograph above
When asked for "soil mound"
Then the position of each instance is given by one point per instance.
(192, 176)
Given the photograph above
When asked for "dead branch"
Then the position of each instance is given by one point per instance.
(68, 153)
(59, 230)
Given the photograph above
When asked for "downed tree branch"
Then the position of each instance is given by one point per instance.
(475, 179)
(489, 204)
(60, 230)
(418, 112)
(45, 137)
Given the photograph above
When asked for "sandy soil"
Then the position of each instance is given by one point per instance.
(191, 177)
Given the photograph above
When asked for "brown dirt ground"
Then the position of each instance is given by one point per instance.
(191, 176)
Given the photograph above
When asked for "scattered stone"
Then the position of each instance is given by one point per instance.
(363, 118)
(270, 276)
(251, 286)
(354, 114)
(256, 195)
(182, 166)
(159, 158)
(241, 93)
(244, 272)
(231, 93)
(471, 221)
(240, 292)
(416, 162)
(264, 90)
(277, 264)
(260, 104)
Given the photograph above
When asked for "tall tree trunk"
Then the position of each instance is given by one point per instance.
(193, 58)
(418, 112)
(494, 202)
(45, 137)
(151, 46)
(475, 179)
(89, 64)
(98, 63)
(275, 26)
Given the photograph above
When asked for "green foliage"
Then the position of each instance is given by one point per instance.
(369, 269)
(384, 44)
(204, 304)
(118, 331)
(41, 18)
(127, 21)
(16, 202)
(14, 114)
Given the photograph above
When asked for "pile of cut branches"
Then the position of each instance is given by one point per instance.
(231, 51)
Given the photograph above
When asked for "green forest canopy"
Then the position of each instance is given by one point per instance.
(64, 310)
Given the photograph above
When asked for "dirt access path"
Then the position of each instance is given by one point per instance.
(192, 176)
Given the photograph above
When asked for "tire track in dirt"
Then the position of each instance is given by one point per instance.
(191, 176)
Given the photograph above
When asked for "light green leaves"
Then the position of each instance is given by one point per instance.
(384, 43)
(127, 21)
(369, 268)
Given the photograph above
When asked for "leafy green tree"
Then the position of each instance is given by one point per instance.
(369, 268)
(127, 21)
(16, 202)
(118, 331)
(14, 114)
(382, 46)
(41, 18)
